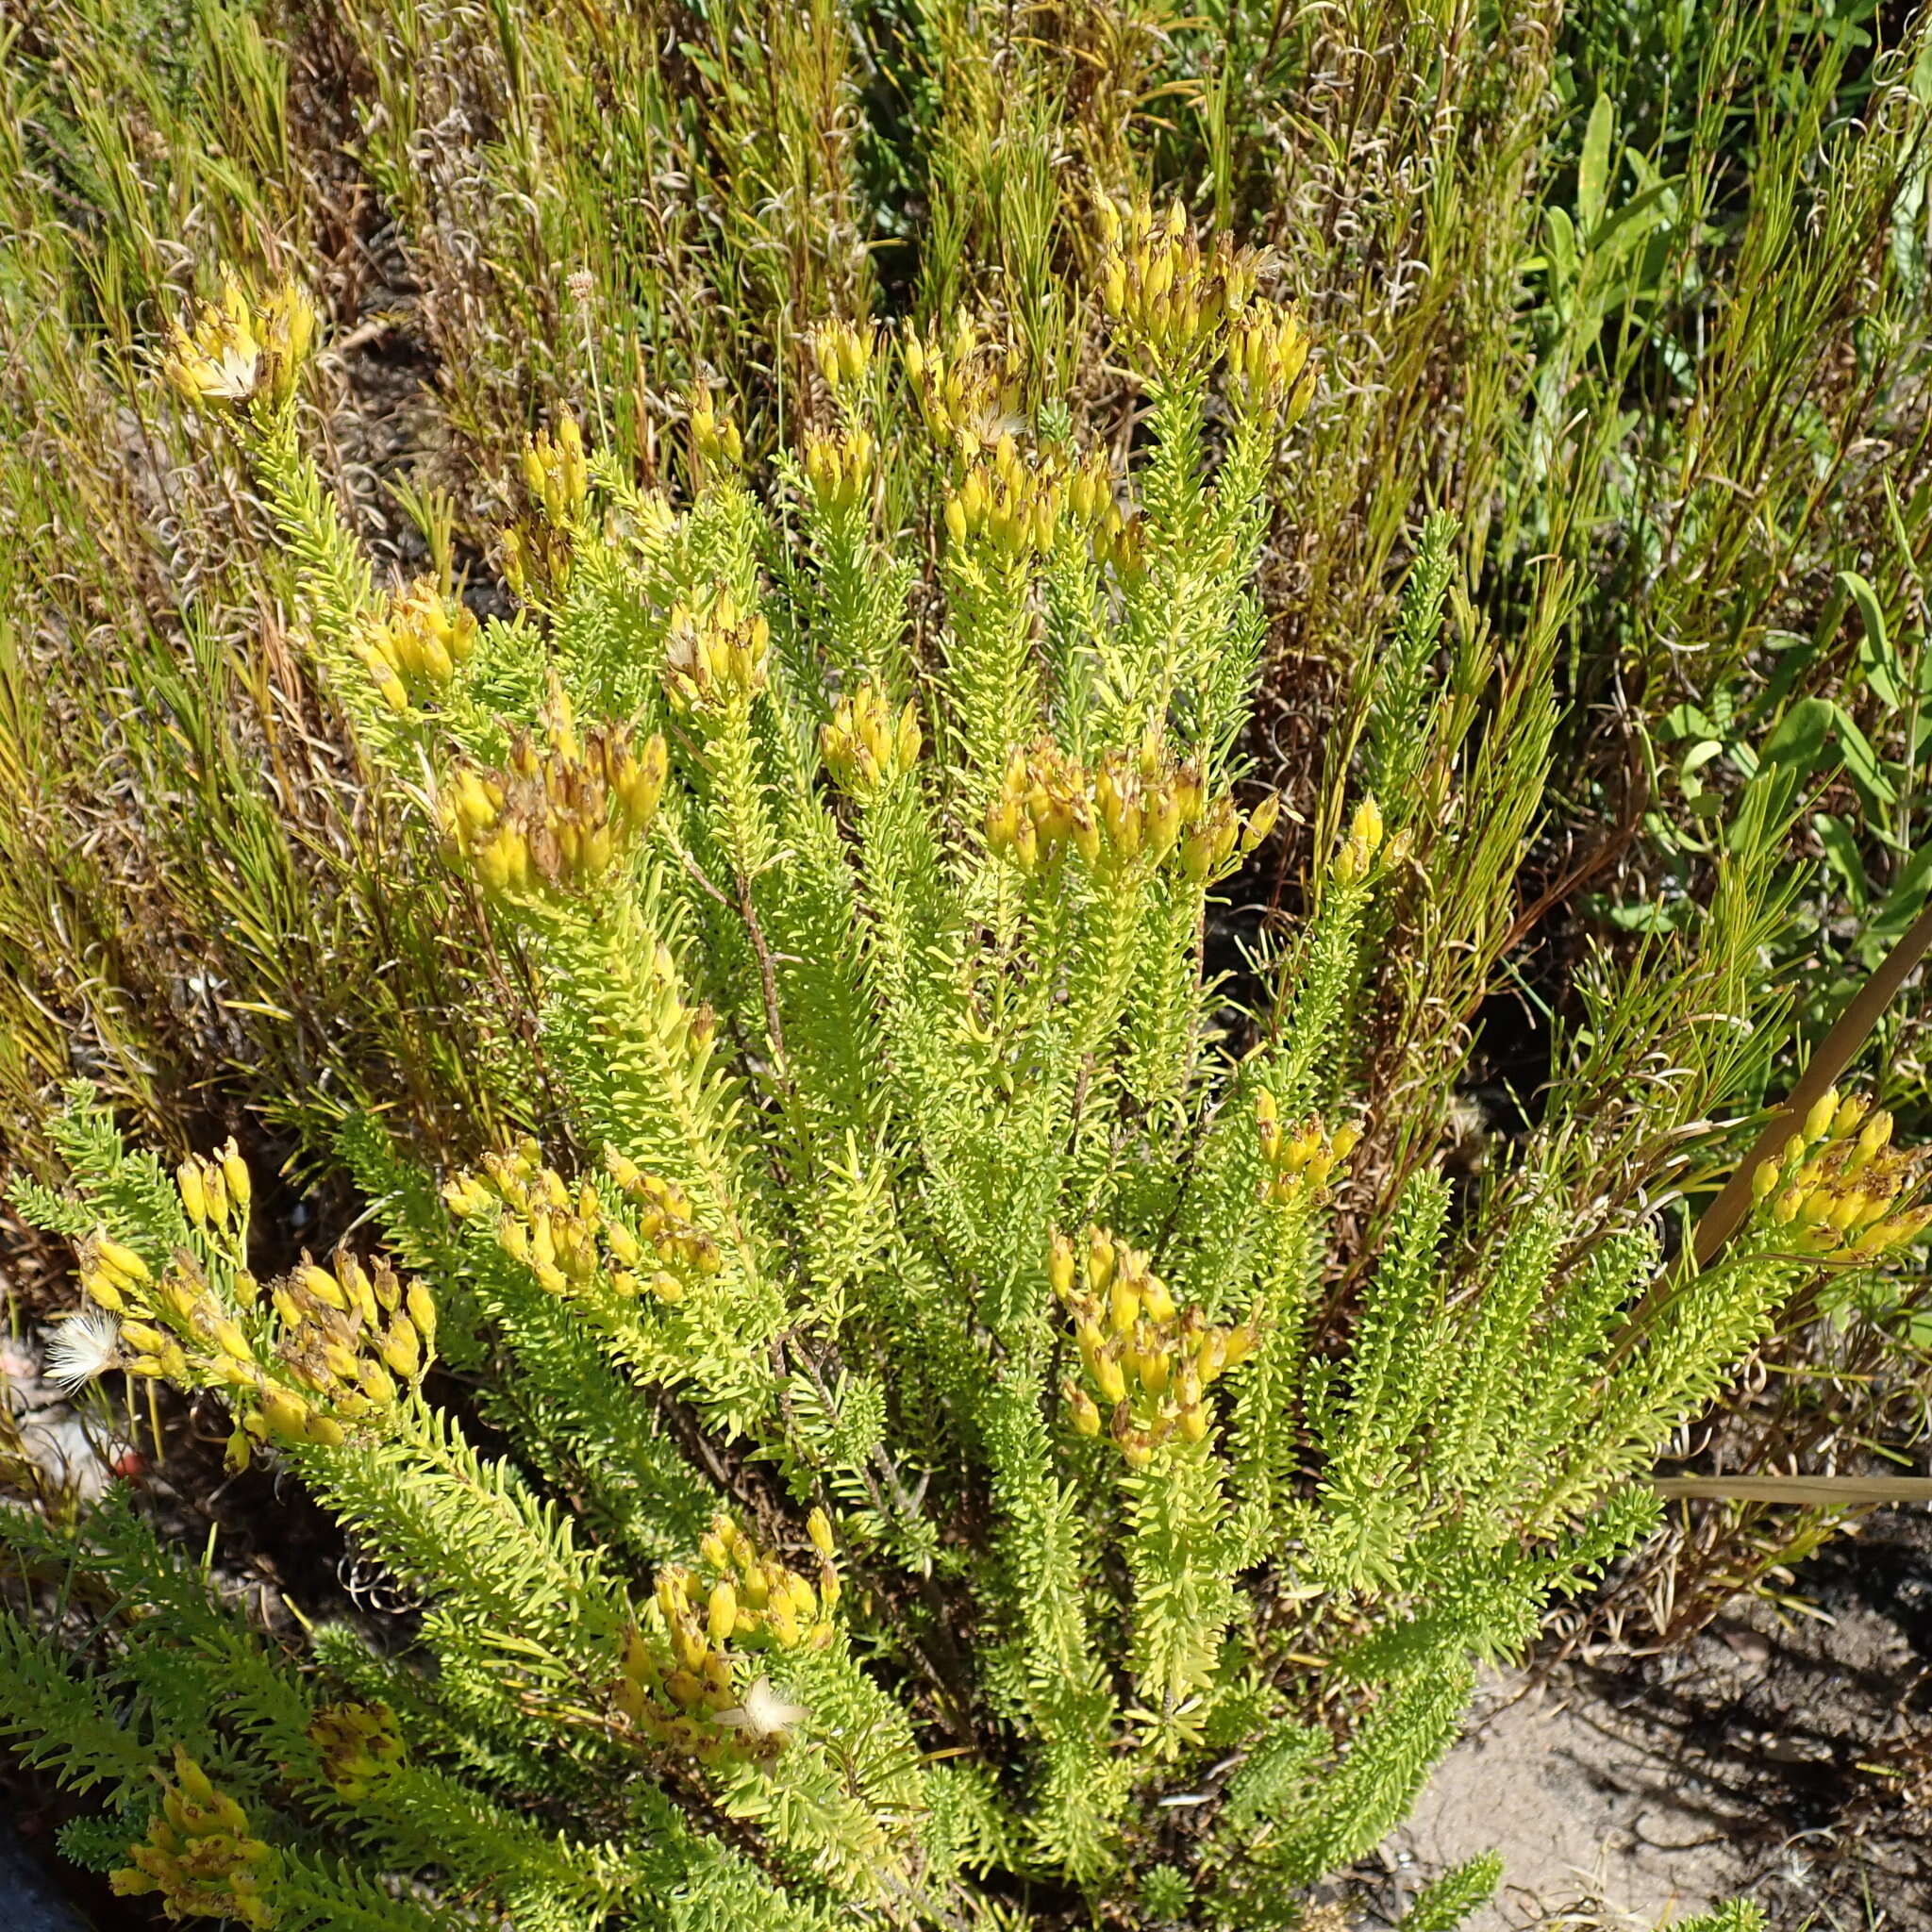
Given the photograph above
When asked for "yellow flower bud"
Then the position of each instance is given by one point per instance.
(322, 1286)
(1059, 1265)
(422, 1309)
(782, 1621)
(229, 1339)
(235, 1173)
(121, 1260)
(100, 1289)
(1100, 1259)
(1367, 827)
(1109, 1376)
(1261, 822)
(818, 1526)
(401, 1348)
(1156, 1300)
(287, 1415)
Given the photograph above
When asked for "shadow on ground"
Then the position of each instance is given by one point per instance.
(1779, 1754)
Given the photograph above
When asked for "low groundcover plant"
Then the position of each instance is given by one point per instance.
(939, 1490)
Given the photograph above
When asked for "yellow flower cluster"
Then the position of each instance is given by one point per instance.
(215, 1187)
(968, 389)
(1357, 859)
(344, 1338)
(537, 559)
(641, 1241)
(839, 468)
(112, 1272)
(199, 1855)
(237, 351)
(1297, 1165)
(1838, 1183)
(348, 1336)
(1267, 359)
(1119, 540)
(866, 749)
(1148, 1362)
(539, 550)
(715, 658)
(555, 472)
(1020, 504)
(556, 817)
(1167, 295)
(715, 437)
(682, 1675)
(359, 1744)
(844, 353)
(1124, 818)
(414, 649)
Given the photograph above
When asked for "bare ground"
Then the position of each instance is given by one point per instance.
(1782, 1755)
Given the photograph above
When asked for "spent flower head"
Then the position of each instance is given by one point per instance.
(867, 747)
(715, 657)
(561, 811)
(842, 351)
(200, 1856)
(415, 649)
(967, 387)
(236, 350)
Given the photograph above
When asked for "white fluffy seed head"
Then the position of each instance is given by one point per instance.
(81, 1347)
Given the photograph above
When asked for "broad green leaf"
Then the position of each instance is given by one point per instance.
(1562, 248)
(1798, 743)
(1883, 670)
(1862, 764)
(1615, 238)
(1794, 654)
(1654, 915)
(1841, 853)
(1906, 900)
(1593, 164)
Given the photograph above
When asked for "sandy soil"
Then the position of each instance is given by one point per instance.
(1787, 1757)
(1586, 1821)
